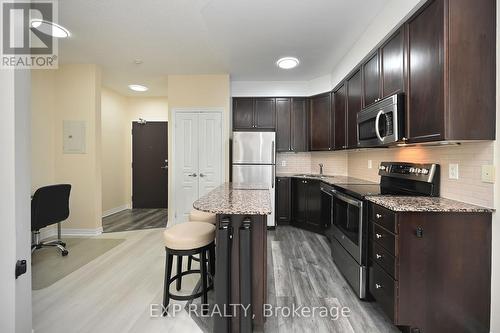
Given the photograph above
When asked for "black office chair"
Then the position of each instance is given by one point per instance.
(49, 205)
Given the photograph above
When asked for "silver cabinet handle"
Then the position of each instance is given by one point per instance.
(378, 236)
(378, 256)
(193, 175)
(202, 175)
(377, 286)
(164, 167)
(378, 216)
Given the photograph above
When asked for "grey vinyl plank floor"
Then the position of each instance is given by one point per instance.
(135, 219)
(113, 292)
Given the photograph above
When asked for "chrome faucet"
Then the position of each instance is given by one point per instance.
(320, 169)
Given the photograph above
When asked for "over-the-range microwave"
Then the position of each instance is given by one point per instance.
(382, 123)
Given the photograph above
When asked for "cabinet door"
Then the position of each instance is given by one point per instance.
(299, 201)
(353, 107)
(339, 102)
(320, 122)
(371, 80)
(283, 124)
(299, 125)
(392, 65)
(265, 113)
(314, 205)
(242, 113)
(283, 191)
(426, 74)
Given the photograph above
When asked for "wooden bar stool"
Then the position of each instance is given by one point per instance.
(200, 216)
(188, 239)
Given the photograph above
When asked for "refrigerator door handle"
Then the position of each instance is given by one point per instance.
(273, 155)
(273, 177)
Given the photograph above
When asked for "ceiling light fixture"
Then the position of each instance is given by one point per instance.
(50, 28)
(287, 62)
(137, 87)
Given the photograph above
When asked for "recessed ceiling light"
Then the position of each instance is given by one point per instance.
(287, 62)
(138, 87)
(50, 28)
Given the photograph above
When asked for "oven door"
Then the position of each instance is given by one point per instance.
(347, 226)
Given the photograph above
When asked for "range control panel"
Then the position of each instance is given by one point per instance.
(414, 171)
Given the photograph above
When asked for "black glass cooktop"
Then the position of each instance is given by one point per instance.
(360, 190)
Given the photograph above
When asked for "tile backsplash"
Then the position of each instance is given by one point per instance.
(470, 157)
(334, 163)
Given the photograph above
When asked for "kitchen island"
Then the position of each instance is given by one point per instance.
(241, 254)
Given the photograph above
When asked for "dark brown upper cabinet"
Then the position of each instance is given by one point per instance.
(299, 133)
(339, 111)
(392, 62)
(354, 97)
(265, 113)
(451, 71)
(371, 80)
(320, 122)
(243, 113)
(291, 125)
(283, 124)
(254, 114)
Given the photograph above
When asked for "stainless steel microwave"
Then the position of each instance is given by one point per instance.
(382, 123)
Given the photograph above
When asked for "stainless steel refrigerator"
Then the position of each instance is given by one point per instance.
(254, 156)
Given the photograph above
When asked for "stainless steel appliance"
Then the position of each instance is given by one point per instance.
(253, 163)
(382, 123)
(348, 223)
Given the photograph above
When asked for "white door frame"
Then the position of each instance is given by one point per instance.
(171, 162)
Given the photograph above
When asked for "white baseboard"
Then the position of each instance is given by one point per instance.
(81, 232)
(51, 231)
(116, 210)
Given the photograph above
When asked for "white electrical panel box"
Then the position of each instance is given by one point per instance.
(74, 137)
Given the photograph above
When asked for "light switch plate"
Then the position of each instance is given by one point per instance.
(370, 165)
(453, 171)
(283, 163)
(488, 173)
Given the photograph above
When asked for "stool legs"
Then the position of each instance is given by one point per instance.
(204, 277)
(179, 271)
(190, 261)
(211, 261)
(168, 270)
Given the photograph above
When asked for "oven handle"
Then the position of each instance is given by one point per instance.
(347, 199)
(377, 121)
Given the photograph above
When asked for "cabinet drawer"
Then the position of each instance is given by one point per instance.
(384, 238)
(383, 217)
(385, 260)
(382, 288)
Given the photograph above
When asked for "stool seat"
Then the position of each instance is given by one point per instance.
(199, 216)
(189, 236)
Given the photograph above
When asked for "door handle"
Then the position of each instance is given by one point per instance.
(192, 175)
(202, 175)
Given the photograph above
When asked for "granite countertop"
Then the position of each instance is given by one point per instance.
(425, 204)
(236, 199)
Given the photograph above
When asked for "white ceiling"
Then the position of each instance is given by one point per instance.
(241, 37)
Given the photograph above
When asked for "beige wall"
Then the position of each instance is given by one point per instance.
(188, 91)
(118, 113)
(42, 128)
(70, 93)
(333, 163)
(115, 154)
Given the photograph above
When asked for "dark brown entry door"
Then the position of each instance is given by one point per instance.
(149, 165)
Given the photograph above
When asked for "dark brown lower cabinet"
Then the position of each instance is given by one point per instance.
(283, 200)
(431, 272)
(306, 204)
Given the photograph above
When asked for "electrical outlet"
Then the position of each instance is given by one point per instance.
(453, 171)
(283, 163)
(370, 165)
(488, 173)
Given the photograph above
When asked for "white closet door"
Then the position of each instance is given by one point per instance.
(186, 164)
(210, 151)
